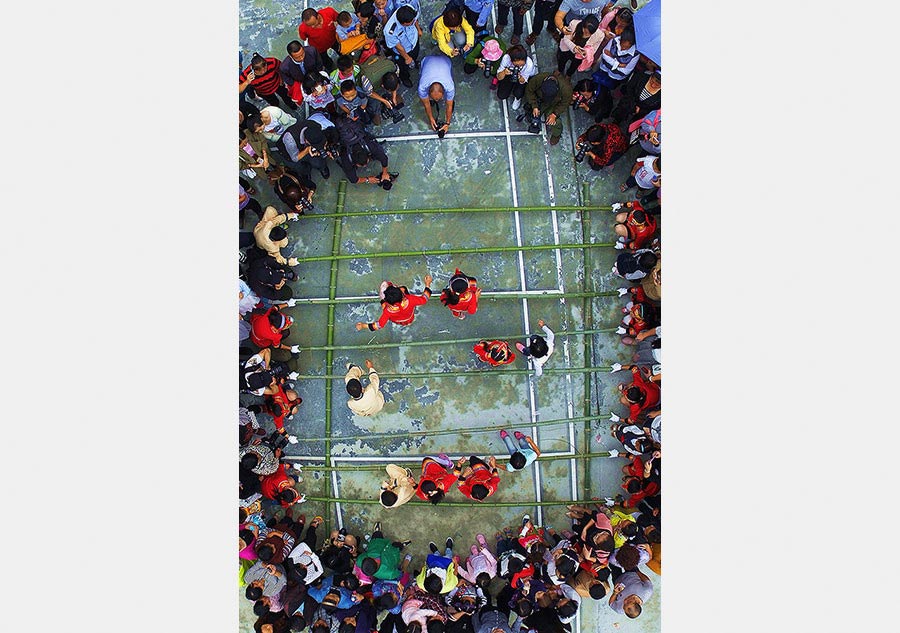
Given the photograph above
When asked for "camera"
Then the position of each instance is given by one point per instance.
(534, 125)
(487, 70)
(393, 114)
(580, 149)
(305, 203)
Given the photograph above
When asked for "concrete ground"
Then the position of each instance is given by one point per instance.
(486, 161)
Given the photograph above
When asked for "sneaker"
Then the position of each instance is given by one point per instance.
(474, 550)
(449, 543)
(302, 499)
(525, 519)
(326, 173)
(515, 104)
(530, 38)
(404, 544)
(408, 557)
(406, 81)
(377, 526)
(433, 547)
(481, 540)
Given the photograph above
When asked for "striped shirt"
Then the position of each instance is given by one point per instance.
(617, 63)
(265, 83)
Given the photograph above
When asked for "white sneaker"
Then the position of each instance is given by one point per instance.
(515, 104)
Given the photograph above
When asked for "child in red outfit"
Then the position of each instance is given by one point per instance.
(494, 352)
(641, 395)
(461, 295)
(633, 227)
(398, 305)
(640, 315)
(479, 479)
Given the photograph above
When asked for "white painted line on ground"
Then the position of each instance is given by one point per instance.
(337, 495)
(433, 136)
(491, 293)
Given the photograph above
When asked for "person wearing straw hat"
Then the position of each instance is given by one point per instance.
(368, 401)
(461, 295)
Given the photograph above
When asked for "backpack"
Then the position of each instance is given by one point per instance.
(376, 67)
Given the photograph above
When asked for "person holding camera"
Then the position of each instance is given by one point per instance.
(357, 148)
(513, 73)
(547, 95)
(435, 85)
(304, 146)
(602, 144)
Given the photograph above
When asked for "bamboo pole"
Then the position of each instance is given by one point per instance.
(332, 292)
(401, 461)
(355, 214)
(462, 504)
(322, 348)
(484, 295)
(588, 324)
(454, 251)
(457, 374)
(482, 429)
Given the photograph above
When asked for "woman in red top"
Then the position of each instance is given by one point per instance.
(640, 315)
(262, 74)
(436, 480)
(270, 328)
(461, 295)
(634, 227)
(398, 305)
(641, 395)
(494, 352)
(478, 480)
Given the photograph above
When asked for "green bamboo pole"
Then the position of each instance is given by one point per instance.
(457, 374)
(455, 251)
(322, 348)
(511, 295)
(332, 292)
(400, 461)
(355, 214)
(482, 429)
(462, 504)
(588, 313)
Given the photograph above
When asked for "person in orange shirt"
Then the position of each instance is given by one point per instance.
(398, 305)
(436, 479)
(461, 295)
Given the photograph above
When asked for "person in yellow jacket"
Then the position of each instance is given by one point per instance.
(447, 30)
(438, 575)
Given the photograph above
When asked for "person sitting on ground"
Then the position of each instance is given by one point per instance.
(294, 190)
(436, 479)
(453, 33)
(646, 175)
(635, 265)
(269, 327)
(368, 401)
(547, 96)
(495, 353)
(438, 575)
(478, 479)
(634, 227)
(539, 349)
(381, 559)
(398, 305)
(607, 145)
(399, 488)
(640, 315)
(268, 279)
(522, 455)
(435, 85)
(641, 395)
(461, 295)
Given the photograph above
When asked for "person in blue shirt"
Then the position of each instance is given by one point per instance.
(478, 12)
(436, 84)
(401, 37)
(571, 9)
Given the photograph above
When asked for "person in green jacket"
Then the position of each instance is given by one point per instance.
(548, 96)
(381, 560)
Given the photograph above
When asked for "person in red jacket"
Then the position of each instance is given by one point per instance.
(494, 352)
(633, 227)
(398, 305)
(479, 479)
(642, 394)
(279, 487)
(270, 327)
(318, 29)
(640, 315)
(461, 295)
(436, 479)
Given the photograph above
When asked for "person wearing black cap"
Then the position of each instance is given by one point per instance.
(548, 95)
(368, 401)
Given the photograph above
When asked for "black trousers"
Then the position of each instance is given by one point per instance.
(283, 93)
(503, 15)
(507, 86)
(544, 12)
(564, 58)
(403, 68)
